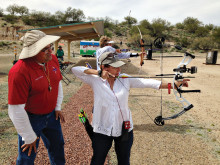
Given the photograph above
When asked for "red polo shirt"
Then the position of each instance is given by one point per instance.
(28, 84)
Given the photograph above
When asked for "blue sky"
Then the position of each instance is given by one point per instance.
(174, 11)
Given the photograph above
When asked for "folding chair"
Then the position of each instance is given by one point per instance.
(63, 69)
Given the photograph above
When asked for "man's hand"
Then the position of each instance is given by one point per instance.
(30, 146)
(60, 115)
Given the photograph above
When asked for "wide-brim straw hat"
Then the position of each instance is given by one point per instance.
(34, 41)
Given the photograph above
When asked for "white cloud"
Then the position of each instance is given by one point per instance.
(173, 11)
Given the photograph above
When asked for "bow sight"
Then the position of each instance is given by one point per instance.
(183, 69)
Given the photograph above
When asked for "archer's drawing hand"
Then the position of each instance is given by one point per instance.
(106, 74)
(30, 146)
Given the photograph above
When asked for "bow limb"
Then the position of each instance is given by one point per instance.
(142, 52)
(142, 48)
(159, 120)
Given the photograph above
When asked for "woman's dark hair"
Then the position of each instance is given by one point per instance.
(106, 65)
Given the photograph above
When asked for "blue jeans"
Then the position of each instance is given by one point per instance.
(49, 129)
(101, 144)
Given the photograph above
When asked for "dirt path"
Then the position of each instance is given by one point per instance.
(77, 143)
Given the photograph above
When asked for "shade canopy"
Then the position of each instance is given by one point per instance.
(75, 31)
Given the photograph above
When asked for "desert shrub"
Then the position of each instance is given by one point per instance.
(108, 33)
(204, 43)
(191, 24)
(10, 19)
(183, 41)
(159, 26)
(118, 31)
(216, 35)
(134, 40)
(2, 43)
(4, 24)
(179, 26)
(202, 31)
(26, 20)
(1, 12)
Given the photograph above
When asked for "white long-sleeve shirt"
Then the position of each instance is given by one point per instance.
(111, 106)
(109, 49)
(20, 119)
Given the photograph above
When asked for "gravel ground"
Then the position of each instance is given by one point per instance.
(77, 143)
(192, 139)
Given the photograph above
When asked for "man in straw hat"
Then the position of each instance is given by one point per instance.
(34, 97)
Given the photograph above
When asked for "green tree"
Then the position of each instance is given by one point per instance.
(134, 41)
(191, 24)
(130, 20)
(60, 17)
(1, 12)
(12, 9)
(183, 41)
(144, 31)
(216, 35)
(108, 23)
(159, 26)
(203, 43)
(15, 9)
(74, 15)
(22, 10)
(26, 20)
(10, 18)
(39, 18)
(209, 27)
(179, 26)
(108, 33)
(146, 24)
(201, 32)
(91, 18)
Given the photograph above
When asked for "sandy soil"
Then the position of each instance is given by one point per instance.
(193, 138)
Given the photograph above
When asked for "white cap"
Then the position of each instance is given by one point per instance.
(110, 42)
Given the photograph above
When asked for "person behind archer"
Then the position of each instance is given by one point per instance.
(60, 53)
(106, 46)
(35, 96)
(112, 119)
